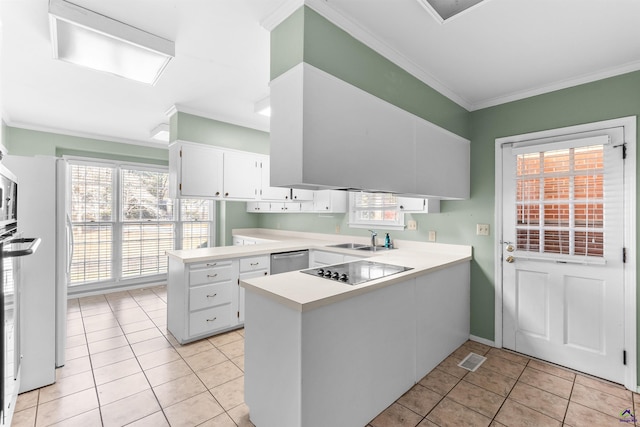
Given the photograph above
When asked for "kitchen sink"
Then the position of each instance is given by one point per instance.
(373, 248)
(348, 246)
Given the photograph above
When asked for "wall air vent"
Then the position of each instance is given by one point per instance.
(444, 10)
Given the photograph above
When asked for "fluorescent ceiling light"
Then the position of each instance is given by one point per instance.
(443, 10)
(263, 107)
(161, 133)
(86, 38)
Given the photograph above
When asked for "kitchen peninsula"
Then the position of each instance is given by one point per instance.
(320, 352)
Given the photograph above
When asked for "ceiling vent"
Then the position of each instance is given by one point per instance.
(443, 10)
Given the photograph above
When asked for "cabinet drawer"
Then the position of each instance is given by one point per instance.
(254, 263)
(327, 257)
(209, 295)
(211, 264)
(210, 319)
(210, 275)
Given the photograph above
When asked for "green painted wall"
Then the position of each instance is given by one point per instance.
(24, 142)
(187, 127)
(334, 51)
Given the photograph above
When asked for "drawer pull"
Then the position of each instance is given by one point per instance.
(212, 275)
(211, 296)
(213, 264)
(255, 263)
(212, 320)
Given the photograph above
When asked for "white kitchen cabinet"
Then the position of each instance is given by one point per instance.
(410, 204)
(326, 133)
(202, 298)
(258, 207)
(195, 171)
(302, 195)
(241, 175)
(330, 201)
(249, 269)
(266, 191)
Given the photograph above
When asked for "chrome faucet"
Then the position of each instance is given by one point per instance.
(373, 237)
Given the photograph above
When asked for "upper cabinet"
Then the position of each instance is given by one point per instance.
(195, 171)
(241, 175)
(267, 192)
(326, 133)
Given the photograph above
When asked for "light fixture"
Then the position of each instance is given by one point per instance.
(443, 10)
(83, 37)
(161, 133)
(263, 106)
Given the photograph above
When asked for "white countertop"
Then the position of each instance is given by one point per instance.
(303, 292)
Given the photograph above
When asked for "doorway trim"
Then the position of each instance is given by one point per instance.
(630, 138)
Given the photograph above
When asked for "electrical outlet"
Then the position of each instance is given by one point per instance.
(432, 236)
(412, 225)
(482, 229)
(337, 229)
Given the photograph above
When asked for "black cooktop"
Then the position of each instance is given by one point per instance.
(356, 272)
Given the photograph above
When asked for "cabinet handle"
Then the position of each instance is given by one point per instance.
(212, 320)
(211, 296)
(226, 194)
(254, 263)
(212, 264)
(217, 193)
(265, 273)
(212, 275)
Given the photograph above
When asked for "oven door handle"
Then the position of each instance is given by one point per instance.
(70, 243)
(33, 247)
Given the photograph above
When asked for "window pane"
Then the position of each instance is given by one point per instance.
(91, 193)
(143, 248)
(92, 253)
(194, 210)
(145, 196)
(195, 235)
(569, 215)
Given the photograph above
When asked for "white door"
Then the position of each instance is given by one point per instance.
(562, 263)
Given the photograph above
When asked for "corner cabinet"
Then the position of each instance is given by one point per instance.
(205, 298)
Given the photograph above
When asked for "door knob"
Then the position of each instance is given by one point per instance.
(510, 259)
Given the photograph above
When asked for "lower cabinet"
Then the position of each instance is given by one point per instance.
(205, 298)
(321, 258)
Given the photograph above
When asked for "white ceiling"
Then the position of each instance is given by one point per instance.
(498, 51)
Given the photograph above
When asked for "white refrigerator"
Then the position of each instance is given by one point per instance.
(41, 212)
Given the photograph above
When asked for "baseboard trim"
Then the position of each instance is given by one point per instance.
(482, 340)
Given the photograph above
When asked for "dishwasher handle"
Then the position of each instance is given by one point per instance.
(288, 255)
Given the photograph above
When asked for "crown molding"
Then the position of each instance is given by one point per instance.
(563, 84)
(281, 13)
(371, 41)
(218, 117)
(88, 135)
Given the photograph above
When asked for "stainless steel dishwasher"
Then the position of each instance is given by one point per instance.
(289, 261)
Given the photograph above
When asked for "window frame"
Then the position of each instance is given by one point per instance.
(117, 279)
(354, 222)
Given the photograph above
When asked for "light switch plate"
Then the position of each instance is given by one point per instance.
(432, 236)
(482, 229)
(412, 225)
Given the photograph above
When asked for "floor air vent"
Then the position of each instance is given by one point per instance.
(472, 362)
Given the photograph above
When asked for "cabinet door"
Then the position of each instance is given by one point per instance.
(244, 276)
(302, 195)
(322, 201)
(409, 204)
(241, 176)
(200, 172)
(267, 192)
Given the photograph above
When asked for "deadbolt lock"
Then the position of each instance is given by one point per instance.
(510, 259)
(510, 248)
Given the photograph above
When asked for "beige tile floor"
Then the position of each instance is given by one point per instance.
(124, 368)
